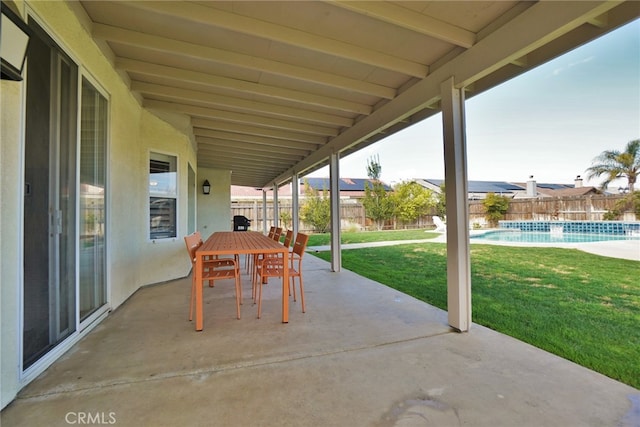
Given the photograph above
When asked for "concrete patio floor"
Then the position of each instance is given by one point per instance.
(362, 355)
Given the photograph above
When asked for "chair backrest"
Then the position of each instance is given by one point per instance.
(193, 241)
(271, 231)
(277, 234)
(197, 233)
(300, 244)
(440, 225)
(288, 238)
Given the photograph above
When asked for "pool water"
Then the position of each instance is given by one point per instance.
(544, 237)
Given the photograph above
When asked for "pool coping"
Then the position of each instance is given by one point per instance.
(624, 249)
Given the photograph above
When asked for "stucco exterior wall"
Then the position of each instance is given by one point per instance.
(10, 243)
(133, 259)
(214, 210)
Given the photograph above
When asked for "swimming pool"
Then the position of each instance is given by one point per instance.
(584, 227)
(547, 237)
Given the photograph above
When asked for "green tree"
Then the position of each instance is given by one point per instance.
(285, 218)
(374, 169)
(316, 209)
(377, 202)
(495, 207)
(616, 164)
(411, 200)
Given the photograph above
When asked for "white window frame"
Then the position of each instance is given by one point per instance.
(175, 194)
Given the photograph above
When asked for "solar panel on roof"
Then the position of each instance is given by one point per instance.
(554, 186)
(345, 184)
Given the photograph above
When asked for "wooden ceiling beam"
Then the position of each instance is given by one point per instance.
(191, 97)
(287, 35)
(174, 76)
(177, 47)
(270, 143)
(282, 149)
(200, 125)
(242, 152)
(266, 122)
(247, 160)
(405, 18)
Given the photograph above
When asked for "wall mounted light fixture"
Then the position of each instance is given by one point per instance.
(14, 34)
(206, 187)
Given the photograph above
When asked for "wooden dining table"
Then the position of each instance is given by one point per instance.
(240, 242)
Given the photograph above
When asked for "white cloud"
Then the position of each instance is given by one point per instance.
(559, 70)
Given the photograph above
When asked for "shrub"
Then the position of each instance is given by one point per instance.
(495, 207)
(316, 210)
(411, 200)
(629, 202)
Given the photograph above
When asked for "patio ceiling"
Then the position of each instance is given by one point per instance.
(274, 88)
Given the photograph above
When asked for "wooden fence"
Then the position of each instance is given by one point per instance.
(351, 214)
(588, 208)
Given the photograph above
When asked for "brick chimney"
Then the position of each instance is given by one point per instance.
(532, 188)
(578, 182)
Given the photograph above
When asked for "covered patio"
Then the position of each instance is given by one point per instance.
(362, 355)
(94, 296)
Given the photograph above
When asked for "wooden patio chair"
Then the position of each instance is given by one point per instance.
(252, 261)
(288, 237)
(212, 269)
(274, 233)
(273, 267)
(277, 234)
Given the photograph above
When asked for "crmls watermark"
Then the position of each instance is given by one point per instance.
(90, 418)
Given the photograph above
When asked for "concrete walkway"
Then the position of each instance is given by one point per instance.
(362, 355)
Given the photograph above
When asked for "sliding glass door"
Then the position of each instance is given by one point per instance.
(50, 199)
(65, 274)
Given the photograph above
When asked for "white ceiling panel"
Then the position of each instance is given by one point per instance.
(273, 88)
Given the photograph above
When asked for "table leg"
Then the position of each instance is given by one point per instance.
(198, 274)
(285, 286)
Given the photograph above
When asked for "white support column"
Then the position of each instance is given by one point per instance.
(254, 216)
(295, 204)
(334, 188)
(455, 173)
(276, 214)
(265, 228)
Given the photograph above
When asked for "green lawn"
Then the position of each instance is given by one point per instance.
(582, 307)
(371, 236)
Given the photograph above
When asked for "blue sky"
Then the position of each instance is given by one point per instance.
(549, 122)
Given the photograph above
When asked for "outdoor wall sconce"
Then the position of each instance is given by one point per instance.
(206, 187)
(14, 34)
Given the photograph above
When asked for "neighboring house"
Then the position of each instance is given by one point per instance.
(249, 194)
(574, 192)
(478, 190)
(350, 188)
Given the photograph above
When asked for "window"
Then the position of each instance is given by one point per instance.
(163, 195)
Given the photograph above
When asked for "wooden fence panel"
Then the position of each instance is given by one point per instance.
(351, 214)
(589, 208)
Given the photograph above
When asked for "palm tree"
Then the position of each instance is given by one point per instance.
(615, 164)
